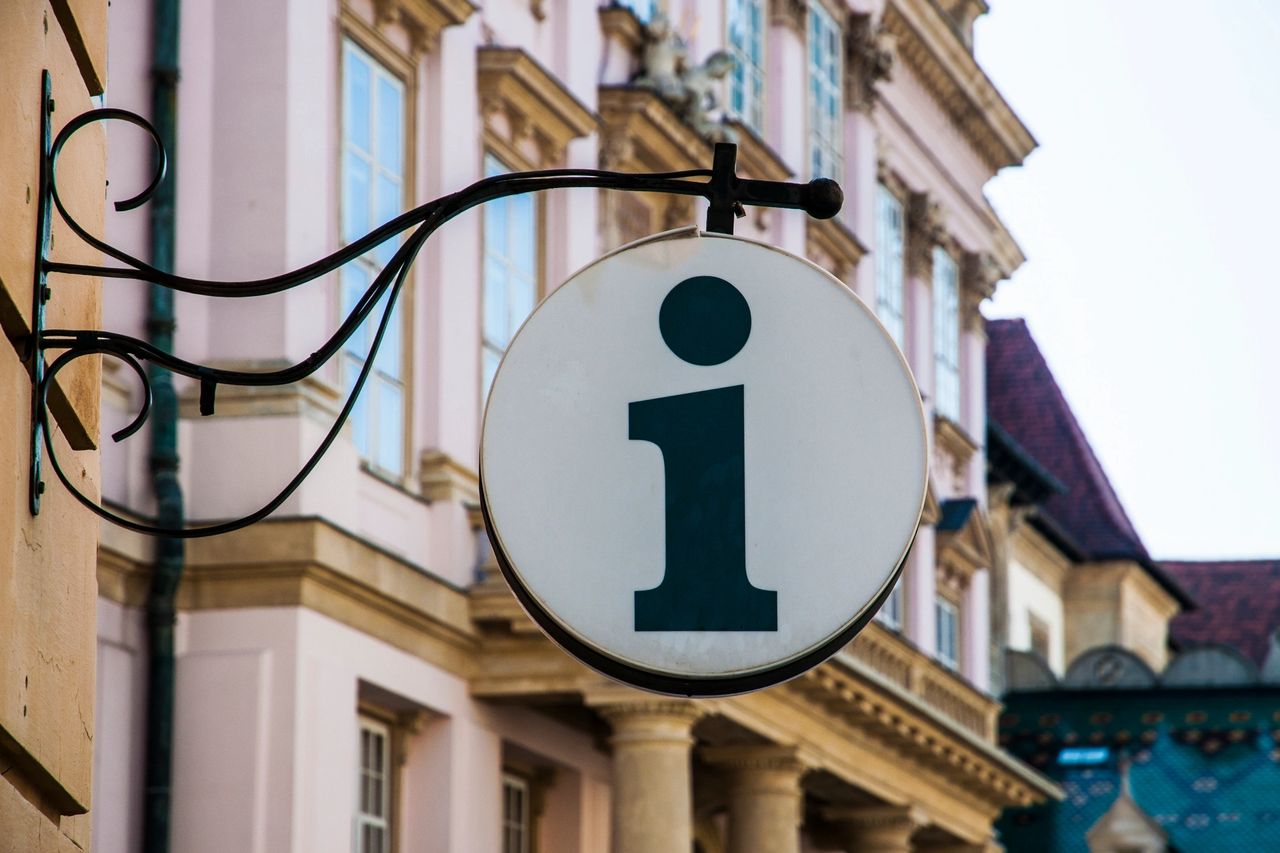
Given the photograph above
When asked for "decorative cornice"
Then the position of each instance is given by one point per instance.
(640, 131)
(535, 104)
(975, 766)
(834, 246)
(931, 48)
(423, 20)
(308, 562)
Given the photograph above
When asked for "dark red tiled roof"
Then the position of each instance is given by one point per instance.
(1239, 604)
(1025, 400)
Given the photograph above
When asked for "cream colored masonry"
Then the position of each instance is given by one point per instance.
(880, 717)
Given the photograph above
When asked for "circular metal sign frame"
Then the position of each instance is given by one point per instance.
(667, 682)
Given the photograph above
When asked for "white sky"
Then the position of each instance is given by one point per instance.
(1151, 219)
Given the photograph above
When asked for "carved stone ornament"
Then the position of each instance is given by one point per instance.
(870, 50)
(980, 273)
(925, 229)
(692, 90)
(789, 13)
(422, 20)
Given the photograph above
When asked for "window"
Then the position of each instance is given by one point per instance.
(373, 807)
(516, 823)
(948, 643)
(746, 44)
(510, 271)
(642, 9)
(946, 334)
(890, 614)
(890, 237)
(825, 99)
(373, 149)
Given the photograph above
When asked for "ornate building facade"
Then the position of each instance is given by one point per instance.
(352, 674)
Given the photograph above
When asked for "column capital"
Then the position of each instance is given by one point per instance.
(876, 829)
(766, 804)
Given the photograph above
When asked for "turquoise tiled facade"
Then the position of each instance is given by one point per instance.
(1205, 764)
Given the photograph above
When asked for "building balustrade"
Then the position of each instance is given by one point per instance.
(895, 660)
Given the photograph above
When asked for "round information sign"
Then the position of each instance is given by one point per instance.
(702, 464)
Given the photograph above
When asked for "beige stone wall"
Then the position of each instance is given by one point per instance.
(1117, 603)
(48, 589)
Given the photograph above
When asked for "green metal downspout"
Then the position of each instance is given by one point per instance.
(163, 460)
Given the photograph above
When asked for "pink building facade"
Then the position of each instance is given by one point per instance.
(351, 674)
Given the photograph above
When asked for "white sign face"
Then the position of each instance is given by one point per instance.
(703, 462)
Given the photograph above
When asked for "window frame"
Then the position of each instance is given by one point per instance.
(895, 324)
(892, 613)
(753, 113)
(942, 604)
(948, 396)
(819, 148)
(374, 724)
(524, 824)
(512, 163)
(382, 56)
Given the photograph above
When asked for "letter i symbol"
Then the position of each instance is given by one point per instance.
(705, 321)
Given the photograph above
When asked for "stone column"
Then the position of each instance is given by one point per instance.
(764, 797)
(652, 791)
(876, 829)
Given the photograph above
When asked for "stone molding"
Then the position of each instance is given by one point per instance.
(443, 478)
(422, 20)
(931, 48)
(751, 757)
(534, 106)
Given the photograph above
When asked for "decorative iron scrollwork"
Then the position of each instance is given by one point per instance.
(724, 190)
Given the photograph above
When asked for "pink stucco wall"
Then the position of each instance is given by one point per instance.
(267, 698)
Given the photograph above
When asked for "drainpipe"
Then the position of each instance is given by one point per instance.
(163, 458)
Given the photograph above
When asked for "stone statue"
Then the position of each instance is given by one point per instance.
(663, 59)
(693, 91)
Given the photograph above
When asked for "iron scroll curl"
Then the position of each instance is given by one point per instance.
(723, 189)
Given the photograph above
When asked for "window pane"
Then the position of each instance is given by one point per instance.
(495, 303)
(359, 419)
(356, 180)
(390, 126)
(523, 248)
(356, 107)
(391, 353)
(390, 426)
(386, 206)
(522, 299)
(490, 359)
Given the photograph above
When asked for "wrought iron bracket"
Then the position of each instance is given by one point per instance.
(726, 193)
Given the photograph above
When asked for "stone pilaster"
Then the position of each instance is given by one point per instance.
(652, 791)
(764, 796)
(875, 829)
